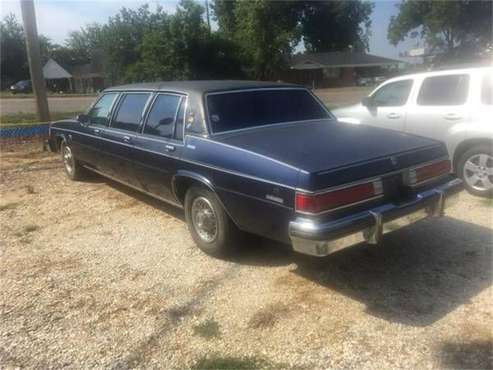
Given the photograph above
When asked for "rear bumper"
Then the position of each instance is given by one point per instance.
(321, 239)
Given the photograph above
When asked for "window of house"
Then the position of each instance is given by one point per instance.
(393, 94)
(99, 113)
(444, 90)
(130, 111)
(161, 119)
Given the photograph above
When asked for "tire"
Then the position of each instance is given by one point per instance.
(475, 167)
(72, 167)
(210, 226)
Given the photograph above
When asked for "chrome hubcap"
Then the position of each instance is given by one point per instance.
(478, 172)
(68, 159)
(204, 219)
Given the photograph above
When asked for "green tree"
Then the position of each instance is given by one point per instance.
(452, 27)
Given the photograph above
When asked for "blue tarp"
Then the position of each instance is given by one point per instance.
(24, 130)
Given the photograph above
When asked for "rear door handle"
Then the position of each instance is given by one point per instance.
(169, 148)
(393, 115)
(127, 139)
(452, 117)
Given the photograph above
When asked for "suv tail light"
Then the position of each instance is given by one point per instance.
(418, 175)
(338, 198)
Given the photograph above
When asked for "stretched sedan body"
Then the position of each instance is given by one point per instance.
(265, 158)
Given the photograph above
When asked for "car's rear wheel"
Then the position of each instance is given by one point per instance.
(476, 169)
(210, 226)
(71, 165)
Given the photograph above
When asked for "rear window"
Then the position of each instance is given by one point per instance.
(444, 90)
(238, 110)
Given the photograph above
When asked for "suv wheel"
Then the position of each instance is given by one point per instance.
(72, 167)
(476, 169)
(210, 226)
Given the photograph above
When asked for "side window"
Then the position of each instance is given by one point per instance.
(130, 112)
(487, 89)
(444, 90)
(161, 118)
(99, 113)
(180, 118)
(393, 94)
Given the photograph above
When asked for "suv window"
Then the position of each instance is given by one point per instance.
(487, 89)
(444, 90)
(99, 113)
(161, 119)
(130, 112)
(393, 94)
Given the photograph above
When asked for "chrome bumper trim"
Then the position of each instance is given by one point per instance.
(321, 239)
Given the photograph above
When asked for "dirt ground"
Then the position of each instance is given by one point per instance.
(95, 275)
(332, 97)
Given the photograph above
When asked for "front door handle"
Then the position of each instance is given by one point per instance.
(393, 115)
(127, 139)
(452, 117)
(96, 131)
(169, 148)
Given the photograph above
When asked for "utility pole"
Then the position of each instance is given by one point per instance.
(208, 16)
(34, 58)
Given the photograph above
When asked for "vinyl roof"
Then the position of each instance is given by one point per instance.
(200, 86)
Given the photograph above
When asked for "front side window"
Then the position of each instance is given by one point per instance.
(161, 118)
(393, 94)
(99, 113)
(487, 89)
(130, 112)
(239, 110)
(444, 90)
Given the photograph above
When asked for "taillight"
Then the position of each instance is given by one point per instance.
(331, 200)
(427, 172)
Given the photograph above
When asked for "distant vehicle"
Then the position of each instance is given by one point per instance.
(364, 81)
(454, 106)
(266, 158)
(23, 86)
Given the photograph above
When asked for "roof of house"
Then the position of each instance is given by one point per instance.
(54, 71)
(200, 86)
(335, 59)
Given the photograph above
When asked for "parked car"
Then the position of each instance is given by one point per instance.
(265, 158)
(23, 86)
(455, 106)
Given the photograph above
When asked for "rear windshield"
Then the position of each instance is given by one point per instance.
(238, 110)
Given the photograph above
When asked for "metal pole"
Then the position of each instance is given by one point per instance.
(208, 16)
(34, 58)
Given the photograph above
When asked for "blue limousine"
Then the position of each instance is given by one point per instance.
(258, 157)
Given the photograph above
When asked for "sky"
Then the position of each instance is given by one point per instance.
(56, 18)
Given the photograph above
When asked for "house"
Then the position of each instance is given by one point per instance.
(57, 78)
(336, 68)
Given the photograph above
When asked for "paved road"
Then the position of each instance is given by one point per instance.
(332, 97)
(27, 105)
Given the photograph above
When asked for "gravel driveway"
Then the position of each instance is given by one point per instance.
(95, 275)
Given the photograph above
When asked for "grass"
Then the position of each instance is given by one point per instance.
(208, 329)
(229, 362)
(30, 118)
(9, 95)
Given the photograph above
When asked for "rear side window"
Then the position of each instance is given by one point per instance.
(444, 90)
(487, 89)
(161, 119)
(393, 94)
(99, 113)
(130, 112)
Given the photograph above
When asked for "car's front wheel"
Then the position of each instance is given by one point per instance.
(476, 169)
(210, 226)
(71, 165)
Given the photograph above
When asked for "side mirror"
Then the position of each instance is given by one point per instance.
(367, 102)
(83, 119)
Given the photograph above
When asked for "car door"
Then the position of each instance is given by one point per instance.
(86, 141)
(386, 107)
(117, 153)
(440, 108)
(159, 146)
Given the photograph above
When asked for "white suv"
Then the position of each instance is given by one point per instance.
(454, 106)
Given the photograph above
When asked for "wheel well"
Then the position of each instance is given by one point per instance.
(59, 140)
(465, 146)
(182, 184)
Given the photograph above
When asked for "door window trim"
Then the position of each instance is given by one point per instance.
(120, 102)
(149, 108)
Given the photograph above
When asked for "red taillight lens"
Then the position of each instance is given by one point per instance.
(429, 171)
(316, 203)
